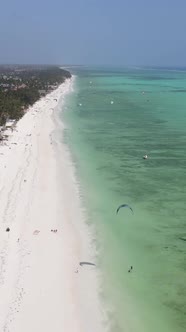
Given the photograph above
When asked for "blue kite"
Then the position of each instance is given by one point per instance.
(122, 206)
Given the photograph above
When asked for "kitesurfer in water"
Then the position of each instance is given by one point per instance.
(131, 268)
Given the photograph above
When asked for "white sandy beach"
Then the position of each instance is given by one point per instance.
(39, 289)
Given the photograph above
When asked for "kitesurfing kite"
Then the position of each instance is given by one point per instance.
(122, 206)
(86, 263)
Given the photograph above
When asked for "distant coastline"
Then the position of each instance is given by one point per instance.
(22, 85)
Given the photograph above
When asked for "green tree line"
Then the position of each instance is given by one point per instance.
(13, 102)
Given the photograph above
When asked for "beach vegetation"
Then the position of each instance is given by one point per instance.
(22, 86)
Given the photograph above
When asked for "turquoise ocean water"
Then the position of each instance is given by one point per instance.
(114, 117)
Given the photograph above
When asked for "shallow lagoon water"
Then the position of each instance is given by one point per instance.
(110, 124)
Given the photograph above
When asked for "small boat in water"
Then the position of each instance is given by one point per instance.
(145, 156)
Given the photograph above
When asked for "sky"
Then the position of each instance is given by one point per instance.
(93, 32)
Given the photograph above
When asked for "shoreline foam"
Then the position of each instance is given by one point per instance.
(89, 277)
(39, 288)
